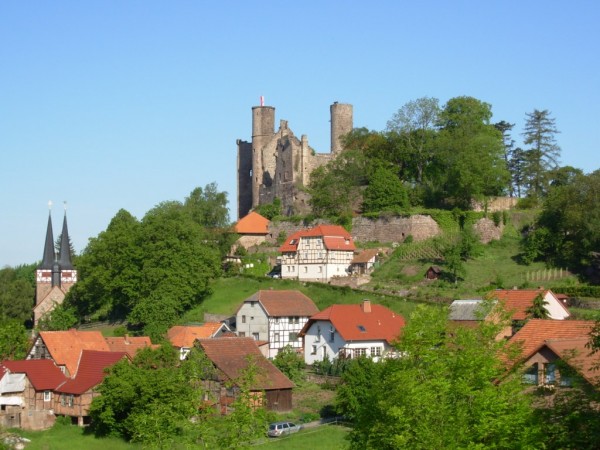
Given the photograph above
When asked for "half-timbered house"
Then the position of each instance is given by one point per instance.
(275, 316)
(317, 254)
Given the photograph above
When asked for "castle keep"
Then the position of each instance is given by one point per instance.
(276, 164)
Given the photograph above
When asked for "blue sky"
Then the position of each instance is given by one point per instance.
(125, 104)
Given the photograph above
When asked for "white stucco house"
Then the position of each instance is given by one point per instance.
(351, 331)
(317, 254)
(275, 316)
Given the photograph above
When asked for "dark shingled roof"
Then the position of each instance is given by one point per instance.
(281, 303)
(42, 373)
(65, 248)
(48, 257)
(90, 371)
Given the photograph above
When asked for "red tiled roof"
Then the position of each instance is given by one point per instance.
(129, 344)
(42, 373)
(576, 353)
(536, 331)
(285, 303)
(334, 237)
(66, 346)
(230, 356)
(350, 321)
(518, 300)
(184, 336)
(253, 223)
(90, 371)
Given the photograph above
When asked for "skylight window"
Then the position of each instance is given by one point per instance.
(362, 328)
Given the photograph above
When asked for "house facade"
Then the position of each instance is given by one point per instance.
(74, 397)
(27, 393)
(351, 331)
(317, 254)
(275, 316)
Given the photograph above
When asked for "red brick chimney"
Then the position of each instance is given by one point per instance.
(366, 306)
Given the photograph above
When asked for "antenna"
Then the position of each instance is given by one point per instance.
(262, 100)
(65, 205)
(49, 204)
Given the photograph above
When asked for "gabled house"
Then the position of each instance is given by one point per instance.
(276, 317)
(253, 230)
(74, 397)
(513, 303)
(540, 343)
(350, 331)
(364, 262)
(26, 393)
(64, 347)
(129, 344)
(231, 356)
(317, 254)
(183, 337)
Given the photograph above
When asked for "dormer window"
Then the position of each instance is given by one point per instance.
(362, 329)
(293, 242)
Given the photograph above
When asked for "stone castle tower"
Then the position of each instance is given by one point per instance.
(276, 163)
(55, 275)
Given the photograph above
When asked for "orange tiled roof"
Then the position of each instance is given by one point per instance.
(253, 223)
(354, 324)
(334, 237)
(285, 303)
(576, 353)
(129, 344)
(66, 346)
(518, 300)
(90, 371)
(536, 331)
(185, 336)
(42, 373)
(230, 356)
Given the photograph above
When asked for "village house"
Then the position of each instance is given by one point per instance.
(276, 317)
(26, 393)
(317, 254)
(513, 302)
(350, 331)
(231, 356)
(541, 343)
(64, 347)
(253, 230)
(74, 396)
(364, 262)
(182, 337)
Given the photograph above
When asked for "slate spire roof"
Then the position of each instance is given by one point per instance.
(65, 249)
(48, 257)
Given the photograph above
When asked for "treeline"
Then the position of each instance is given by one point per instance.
(439, 157)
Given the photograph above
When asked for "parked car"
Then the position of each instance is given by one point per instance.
(275, 272)
(277, 429)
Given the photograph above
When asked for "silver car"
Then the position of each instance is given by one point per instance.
(277, 429)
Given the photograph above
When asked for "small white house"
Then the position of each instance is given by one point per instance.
(351, 331)
(276, 317)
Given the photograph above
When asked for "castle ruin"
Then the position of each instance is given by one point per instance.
(276, 164)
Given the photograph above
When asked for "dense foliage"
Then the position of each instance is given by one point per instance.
(442, 392)
(153, 270)
(568, 228)
(14, 341)
(162, 402)
(17, 293)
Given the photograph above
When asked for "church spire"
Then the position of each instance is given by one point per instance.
(48, 258)
(65, 247)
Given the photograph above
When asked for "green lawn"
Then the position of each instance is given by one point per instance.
(70, 437)
(229, 293)
(326, 437)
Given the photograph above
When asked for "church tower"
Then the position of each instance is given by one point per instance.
(55, 275)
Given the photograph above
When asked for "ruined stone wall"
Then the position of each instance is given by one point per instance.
(496, 204)
(385, 230)
(487, 231)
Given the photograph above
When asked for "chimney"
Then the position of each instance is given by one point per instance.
(366, 306)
